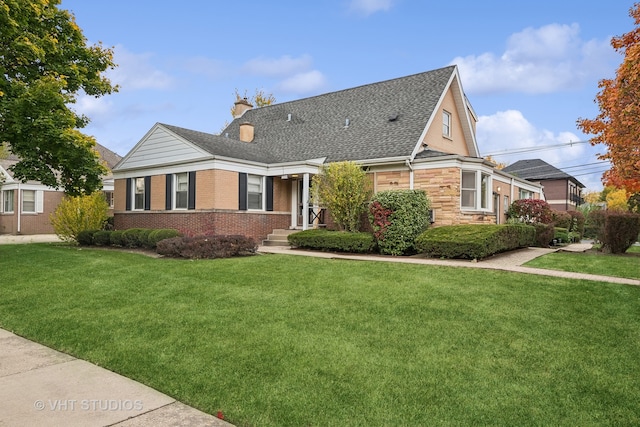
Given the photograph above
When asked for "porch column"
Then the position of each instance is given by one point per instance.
(305, 201)
(294, 203)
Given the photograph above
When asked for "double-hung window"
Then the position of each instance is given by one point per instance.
(475, 190)
(29, 201)
(7, 201)
(525, 194)
(446, 124)
(138, 193)
(182, 190)
(254, 192)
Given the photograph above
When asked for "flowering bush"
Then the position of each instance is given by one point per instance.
(530, 211)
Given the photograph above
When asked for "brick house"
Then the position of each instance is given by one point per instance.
(562, 191)
(414, 132)
(25, 207)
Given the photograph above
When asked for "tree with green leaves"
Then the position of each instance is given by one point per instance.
(344, 189)
(45, 64)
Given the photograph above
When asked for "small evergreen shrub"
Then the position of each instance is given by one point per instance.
(474, 241)
(594, 225)
(134, 237)
(561, 235)
(116, 238)
(207, 247)
(160, 234)
(544, 235)
(621, 230)
(102, 238)
(577, 223)
(85, 237)
(339, 241)
(397, 217)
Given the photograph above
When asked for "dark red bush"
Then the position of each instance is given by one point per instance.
(207, 247)
(530, 211)
(621, 230)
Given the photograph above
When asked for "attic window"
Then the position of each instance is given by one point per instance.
(446, 124)
(289, 117)
(346, 123)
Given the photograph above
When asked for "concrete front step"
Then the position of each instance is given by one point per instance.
(278, 238)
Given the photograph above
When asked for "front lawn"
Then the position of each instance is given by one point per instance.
(284, 340)
(626, 265)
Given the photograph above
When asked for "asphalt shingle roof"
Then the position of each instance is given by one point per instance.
(386, 119)
(537, 170)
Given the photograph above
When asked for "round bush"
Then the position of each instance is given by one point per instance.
(102, 238)
(85, 237)
(156, 236)
(116, 238)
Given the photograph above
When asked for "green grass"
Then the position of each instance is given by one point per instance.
(626, 265)
(283, 340)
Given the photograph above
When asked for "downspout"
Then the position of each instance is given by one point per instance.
(408, 163)
(19, 207)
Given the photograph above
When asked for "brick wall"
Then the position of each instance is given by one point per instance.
(252, 224)
(32, 223)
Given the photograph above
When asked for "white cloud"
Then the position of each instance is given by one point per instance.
(135, 71)
(278, 67)
(368, 7)
(306, 82)
(541, 60)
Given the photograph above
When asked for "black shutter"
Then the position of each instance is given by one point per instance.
(168, 205)
(191, 198)
(147, 193)
(269, 193)
(242, 191)
(128, 195)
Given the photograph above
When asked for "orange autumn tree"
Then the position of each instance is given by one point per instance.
(618, 124)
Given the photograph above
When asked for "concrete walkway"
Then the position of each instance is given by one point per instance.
(43, 387)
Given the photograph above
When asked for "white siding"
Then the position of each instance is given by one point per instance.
(160, 147)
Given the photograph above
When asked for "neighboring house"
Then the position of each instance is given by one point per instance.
(25, 207)
(562, 191)
(414, 132)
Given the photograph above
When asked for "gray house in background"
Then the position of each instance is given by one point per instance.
(562, 191)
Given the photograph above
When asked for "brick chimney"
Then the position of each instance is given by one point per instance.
(240, 106)
(246, 132)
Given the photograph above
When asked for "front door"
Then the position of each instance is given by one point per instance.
(299, 202)
(496, 207)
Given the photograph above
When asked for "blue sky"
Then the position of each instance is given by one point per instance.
(529, 68)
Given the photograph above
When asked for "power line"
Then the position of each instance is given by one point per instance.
(533, 149)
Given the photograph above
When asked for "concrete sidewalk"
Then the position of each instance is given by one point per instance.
(509, 261)
(43, 387)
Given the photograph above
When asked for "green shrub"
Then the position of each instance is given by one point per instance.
(160, 234)
(207, 247)
(80, 213)
(474, 241)
(397, 217)
(561, 235)
(340, 241)
(134, 237)
(116, 238)
(621, 231)
(577, 223)
(594, 225)
(562, 219)
(102, 238)
(544, 235)
(85, 237)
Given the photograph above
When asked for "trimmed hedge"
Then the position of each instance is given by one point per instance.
(207, 247)
(102, 238)
(544, 235)
(474, 241)
(339, 241)
(85, 237)
(156, 236)
(116, 238)
(621, 230)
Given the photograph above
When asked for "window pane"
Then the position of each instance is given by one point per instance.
(182, 190)
(484, 191)
(139, 194)
(8, 201)
(468, 199)
(469, 180)
(254, 192)
(446, 123)
(28, 201)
